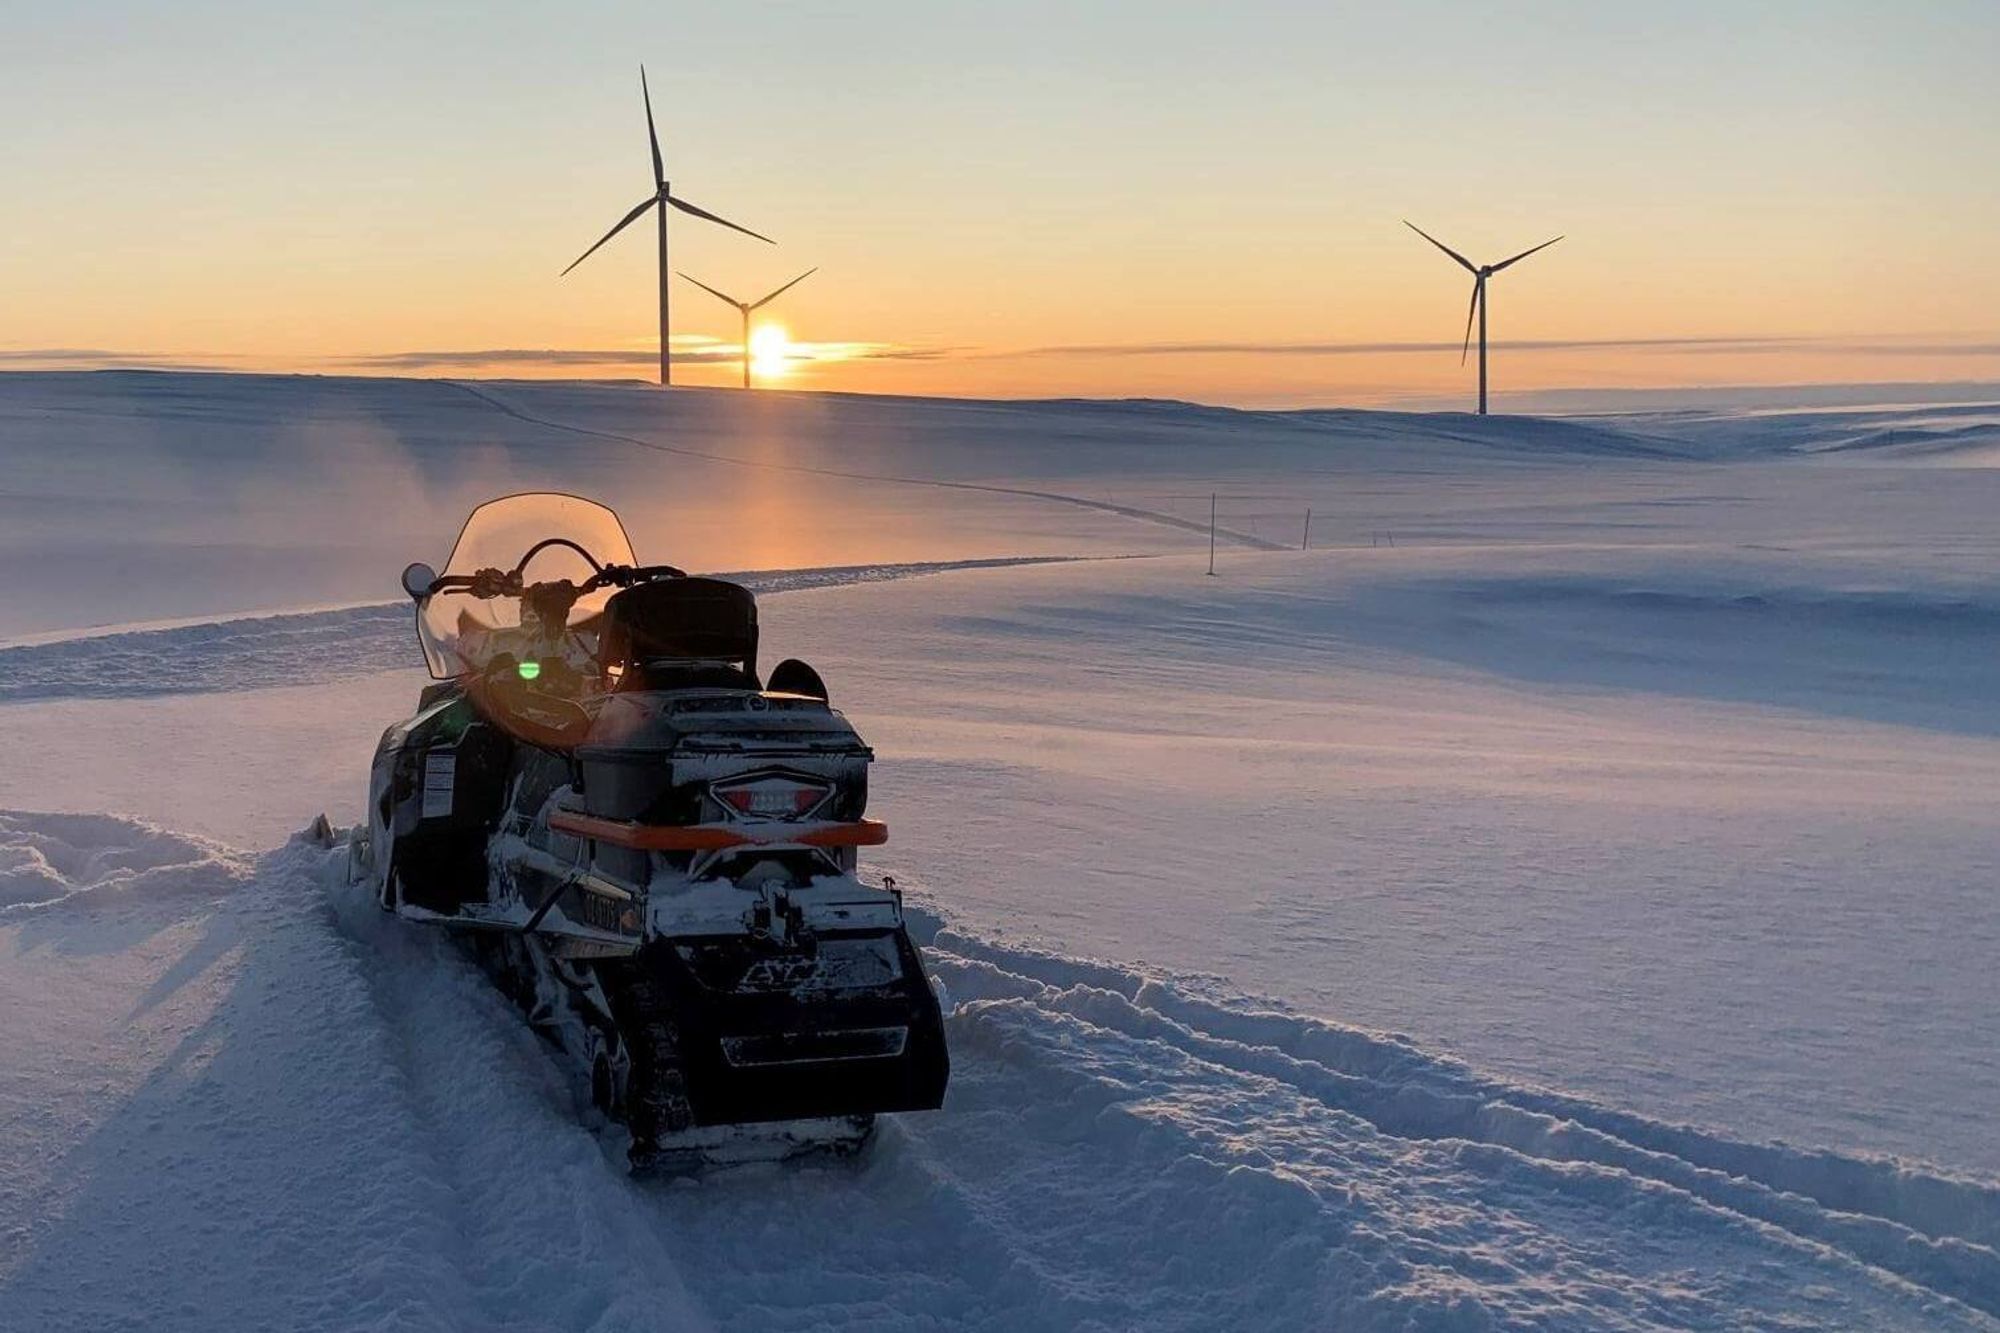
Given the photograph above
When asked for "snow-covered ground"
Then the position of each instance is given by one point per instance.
(1645, 782)
(257, 1103)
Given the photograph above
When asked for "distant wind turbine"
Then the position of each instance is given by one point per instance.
(1480, 273)
(661, 198)
(746, 307)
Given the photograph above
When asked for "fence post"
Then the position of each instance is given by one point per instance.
(1211, 534)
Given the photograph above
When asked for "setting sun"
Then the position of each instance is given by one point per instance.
(770, 350)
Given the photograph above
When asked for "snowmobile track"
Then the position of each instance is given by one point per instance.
(1936, 1233)
(367, 1135)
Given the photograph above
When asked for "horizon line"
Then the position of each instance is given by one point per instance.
(833, 352)
(1554, 401)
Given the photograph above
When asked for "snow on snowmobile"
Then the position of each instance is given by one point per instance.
(653, 851)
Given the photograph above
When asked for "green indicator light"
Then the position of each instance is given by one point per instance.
(529, 669)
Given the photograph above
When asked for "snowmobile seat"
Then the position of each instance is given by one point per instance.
(681, 633)
(668, 675)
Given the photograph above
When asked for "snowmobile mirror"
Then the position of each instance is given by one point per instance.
(417, 580)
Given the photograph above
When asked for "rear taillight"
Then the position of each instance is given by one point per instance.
(774, 796)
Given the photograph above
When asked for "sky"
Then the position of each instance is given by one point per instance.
(1197, 201)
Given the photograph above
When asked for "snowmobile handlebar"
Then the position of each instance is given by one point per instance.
(624, 576)
(489, 583)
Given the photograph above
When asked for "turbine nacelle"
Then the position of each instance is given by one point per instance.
(1477, 310)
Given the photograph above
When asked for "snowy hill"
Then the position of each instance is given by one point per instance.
(243, 492)
(1636, 771)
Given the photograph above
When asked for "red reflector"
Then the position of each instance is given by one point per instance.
(771, 798)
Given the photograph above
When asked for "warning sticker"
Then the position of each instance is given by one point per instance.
(440, 776)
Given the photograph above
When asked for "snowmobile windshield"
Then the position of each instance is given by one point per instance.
(461, 632)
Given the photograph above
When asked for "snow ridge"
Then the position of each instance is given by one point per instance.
(47, 860)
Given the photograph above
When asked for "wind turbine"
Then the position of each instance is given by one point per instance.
(746, 307)
(661, 198)
(1480, 273)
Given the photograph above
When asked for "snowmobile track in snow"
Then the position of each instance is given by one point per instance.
(1936, 1232)
(354, 1129)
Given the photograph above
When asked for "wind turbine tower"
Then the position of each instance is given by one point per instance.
(1480, 273)
(662, 198)
(745, 307)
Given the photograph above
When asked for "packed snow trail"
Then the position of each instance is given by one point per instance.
(283, 1162)
(269, 1105)
(308, 647)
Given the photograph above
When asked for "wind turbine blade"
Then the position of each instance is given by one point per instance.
(1523, 255)
(1463, 262)
(652, 136)
(623, 223)
(1470, 311)
(720, 296)
(787, 287)
(686, 207)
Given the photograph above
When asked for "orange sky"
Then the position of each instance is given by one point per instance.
(1058, 200)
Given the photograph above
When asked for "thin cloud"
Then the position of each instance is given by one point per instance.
(827, 352)
(696, 351)
(1923, 349)
(1733, 344)
(97, 358)
(702, 354)
(524, 356)
(857, 351)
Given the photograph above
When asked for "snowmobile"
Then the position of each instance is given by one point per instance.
(653, 851)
